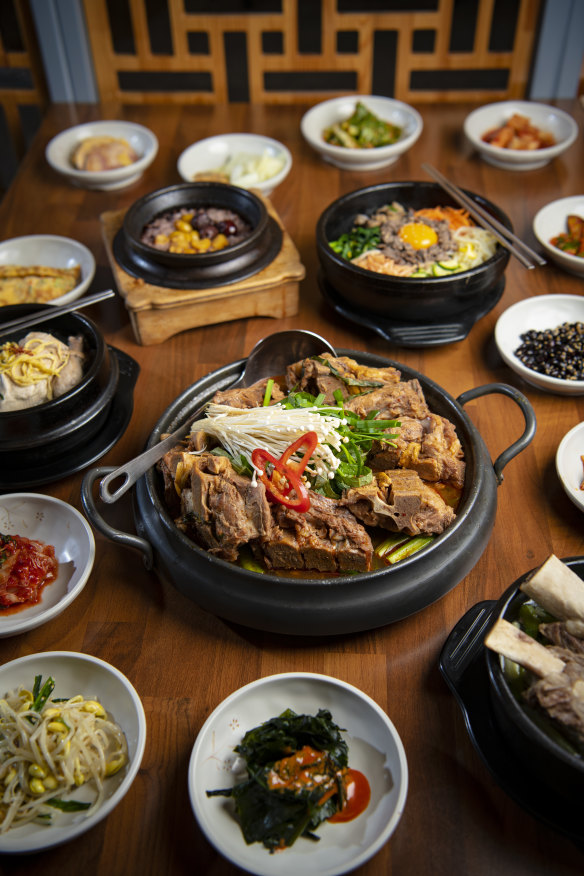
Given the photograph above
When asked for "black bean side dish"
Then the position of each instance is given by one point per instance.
(557, 352)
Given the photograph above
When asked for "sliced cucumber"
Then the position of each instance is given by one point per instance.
(450, 265)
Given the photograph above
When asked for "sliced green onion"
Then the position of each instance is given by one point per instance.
(268, 392)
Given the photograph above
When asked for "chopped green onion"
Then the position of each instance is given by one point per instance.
(268, 392)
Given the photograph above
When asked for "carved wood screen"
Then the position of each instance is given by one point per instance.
(290, 51)
(23, 95)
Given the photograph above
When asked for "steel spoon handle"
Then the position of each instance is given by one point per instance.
(138, 466)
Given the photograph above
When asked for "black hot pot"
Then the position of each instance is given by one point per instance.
(312, 606)
(532, 764)
(42, 443)
(200, 270)
(523, 730)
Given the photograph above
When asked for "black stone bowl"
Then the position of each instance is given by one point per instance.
(67, 422)
(531, 737)
(415, 299)
(184, 270)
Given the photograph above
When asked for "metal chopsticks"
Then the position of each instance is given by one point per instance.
(515, 245)
(52, 312)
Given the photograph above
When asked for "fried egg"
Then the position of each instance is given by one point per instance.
(418, 235)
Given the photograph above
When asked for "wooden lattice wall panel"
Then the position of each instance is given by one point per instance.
(22, 85)
(291, 51)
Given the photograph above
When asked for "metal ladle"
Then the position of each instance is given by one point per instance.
(271, 355)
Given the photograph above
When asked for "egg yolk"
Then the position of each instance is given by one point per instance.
(418, 235)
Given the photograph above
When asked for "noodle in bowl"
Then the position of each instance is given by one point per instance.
(433, 265)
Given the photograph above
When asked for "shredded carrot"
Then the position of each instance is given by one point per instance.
(456, 217)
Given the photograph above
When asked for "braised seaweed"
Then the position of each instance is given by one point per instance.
(278, 818)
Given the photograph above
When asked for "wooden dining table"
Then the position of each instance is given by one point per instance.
(182, 660)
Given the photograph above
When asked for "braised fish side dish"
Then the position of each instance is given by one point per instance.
(297, 776)
(36, 284)
(49, 748)
(96, 154)
(37, 369)
(402, 242)
(543, 651)
(334, 467)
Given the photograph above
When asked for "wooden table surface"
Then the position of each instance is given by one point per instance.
(183, 661)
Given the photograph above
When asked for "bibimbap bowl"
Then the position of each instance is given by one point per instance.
(415, 299)
(320, 606)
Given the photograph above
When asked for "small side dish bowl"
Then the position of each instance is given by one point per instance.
(419, 299)
(60, 149)
(539, 313)
(46, 519)
(251, 160)
(54, 251)
(569, 464)
(315, 121)
(94, 678)
(550, 221)
(546, 118)
(375, 749)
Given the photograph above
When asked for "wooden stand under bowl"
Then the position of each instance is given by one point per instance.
(157, 313)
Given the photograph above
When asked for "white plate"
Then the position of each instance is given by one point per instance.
(374, 748)
(551, 221)
(324, 114)
(60, 149)
(538, 313)
(56, 523)
(213, 152)
(569, 464)
(547, 118)
(94, 678)
(55, 252)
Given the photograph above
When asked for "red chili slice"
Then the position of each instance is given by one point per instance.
(310, 440)
(290, 472)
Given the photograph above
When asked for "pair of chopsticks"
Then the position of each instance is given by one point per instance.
(510, 241)
(52, 312)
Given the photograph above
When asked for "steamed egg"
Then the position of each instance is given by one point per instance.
(418, 235)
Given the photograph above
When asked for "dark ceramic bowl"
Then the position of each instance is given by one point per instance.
(525, 732)
(320, 606)
(70, 420)
(415, 299)
(185, 270)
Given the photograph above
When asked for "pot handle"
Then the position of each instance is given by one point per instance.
(528, 415)
(90, 508)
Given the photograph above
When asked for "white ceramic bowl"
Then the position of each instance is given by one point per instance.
(538, 313)
(53, 522)
(60, 149)
(78, 673)
(546, 118)
(213, 152)
(55, 252)
(324, 114)
(569, 464)
(374, 748)
(551, 221)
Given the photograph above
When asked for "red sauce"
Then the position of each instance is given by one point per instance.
(358, 796)
(26, 566)
(306, 769)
